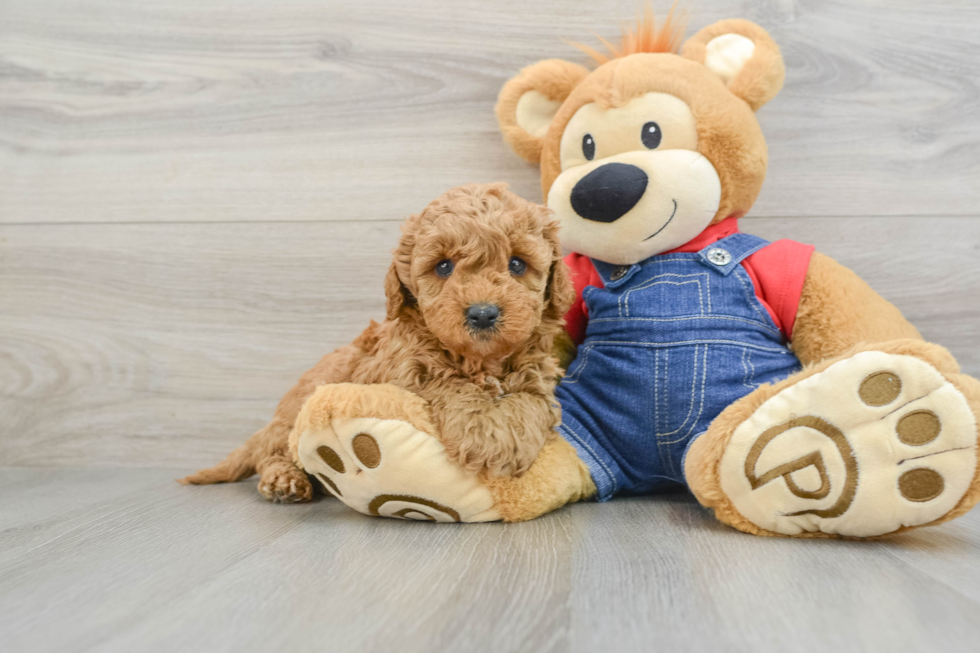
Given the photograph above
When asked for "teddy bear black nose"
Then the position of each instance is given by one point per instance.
(482, 316)
(608, 193)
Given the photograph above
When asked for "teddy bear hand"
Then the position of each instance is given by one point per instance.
(372, 447)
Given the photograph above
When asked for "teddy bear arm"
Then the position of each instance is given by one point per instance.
(376, 448)
(556, 478)
(839, 310)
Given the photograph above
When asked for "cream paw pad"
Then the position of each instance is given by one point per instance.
(872, 444)
(389, 468)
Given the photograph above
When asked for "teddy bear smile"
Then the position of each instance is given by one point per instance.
(672, 214)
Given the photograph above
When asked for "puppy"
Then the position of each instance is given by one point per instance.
(475, 299)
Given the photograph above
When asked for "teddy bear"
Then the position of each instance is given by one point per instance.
(766, 378)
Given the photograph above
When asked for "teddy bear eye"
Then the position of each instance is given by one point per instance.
(444, 268)
(517, 265)
(650, 135)
(588, 147)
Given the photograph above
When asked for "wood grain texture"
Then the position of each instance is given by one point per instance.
(156, 345)
(198, 199)
(163, 567)
(211, 110)
(152, 339)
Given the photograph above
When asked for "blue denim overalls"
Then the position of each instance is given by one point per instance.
(671, 342)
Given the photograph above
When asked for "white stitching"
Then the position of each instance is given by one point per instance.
(656, 391)
(661, 411)
(656, 281)
(595, 457)
(704, 378)
(690, 408)
(707, 283)
(690, 257)
(692, 317)
(748, 357)
(778, 350)
(625, 298)
(745, 369)
(750, 297)
(578, 370)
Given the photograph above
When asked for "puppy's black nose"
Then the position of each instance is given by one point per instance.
(608, 193)
(482, 316)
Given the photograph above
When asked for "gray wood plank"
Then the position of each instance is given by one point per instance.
(134, 334)
(950, 555)
(209, 110)
(254, 159)
(694, 584)
(169, 568)
(166, 345)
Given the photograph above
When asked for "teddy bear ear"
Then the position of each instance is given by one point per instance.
(743, 55)
(528, 103)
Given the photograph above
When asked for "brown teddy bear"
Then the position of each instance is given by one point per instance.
(767, 378)
(771, 380)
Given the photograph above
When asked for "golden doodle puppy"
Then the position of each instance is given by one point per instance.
(475, 299)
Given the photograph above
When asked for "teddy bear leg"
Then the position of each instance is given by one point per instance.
(372, 447)
(877, 441)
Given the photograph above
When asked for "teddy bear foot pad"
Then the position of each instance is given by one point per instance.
(388, 468)
(869, 445)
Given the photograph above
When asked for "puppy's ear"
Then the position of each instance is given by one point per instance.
(560, 292)
(529, 102)
(743, 55)
(398, 295)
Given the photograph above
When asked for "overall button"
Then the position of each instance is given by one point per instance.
(621, 271)
(719, 256)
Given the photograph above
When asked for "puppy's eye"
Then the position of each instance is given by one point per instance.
(444, 268)
(651, 135)
(517, 265)
(588, 147)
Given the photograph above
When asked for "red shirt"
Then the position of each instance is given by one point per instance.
(778, 272)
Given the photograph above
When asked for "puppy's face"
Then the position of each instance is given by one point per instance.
(481, 286)
(479, 265)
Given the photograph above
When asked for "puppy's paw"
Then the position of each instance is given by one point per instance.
(283, 482)
(494, 457)
(497, 448)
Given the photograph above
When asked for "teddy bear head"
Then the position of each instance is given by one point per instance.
(643, 153)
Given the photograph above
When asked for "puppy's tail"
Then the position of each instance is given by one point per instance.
(238, 465)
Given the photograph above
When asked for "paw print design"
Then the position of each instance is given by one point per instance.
(388, 468)
(873, 443)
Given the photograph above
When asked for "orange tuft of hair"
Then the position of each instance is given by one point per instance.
(645, 38)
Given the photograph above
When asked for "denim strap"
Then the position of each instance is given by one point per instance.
(726, 254)
(613, 275)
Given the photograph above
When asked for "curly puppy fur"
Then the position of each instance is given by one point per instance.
(490, 392)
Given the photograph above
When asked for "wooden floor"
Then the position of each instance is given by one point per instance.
(127, 560)
(198, 199)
